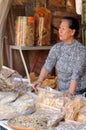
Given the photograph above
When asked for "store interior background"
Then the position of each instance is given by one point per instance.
(58, 9)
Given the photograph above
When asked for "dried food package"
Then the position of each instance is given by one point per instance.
(29, 7)
(30, 31)
(19, 2)
(72, 108)
(24, 31)
(50, 82)
(21, 86)
(41, 3)
(82, 126)
(42, 26)
(33, 77)
(82, 115)
(47, 99)
(25, 103)
(66, 126)
(7, 97)
(28, 122)
(38, 120)
(70, 6)
(57, 3)
(7, 76)
(7, 111)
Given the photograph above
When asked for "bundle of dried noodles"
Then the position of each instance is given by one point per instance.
(42, 26)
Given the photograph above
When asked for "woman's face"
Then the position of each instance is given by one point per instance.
(65, 33)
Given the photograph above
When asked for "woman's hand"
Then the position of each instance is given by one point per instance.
(42, 76)
(71, 90)
(36, 84)
(68, 94)
(72, 87)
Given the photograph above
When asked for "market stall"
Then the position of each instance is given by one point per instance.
(30, 30)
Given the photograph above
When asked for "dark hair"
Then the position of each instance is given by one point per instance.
(73, 24)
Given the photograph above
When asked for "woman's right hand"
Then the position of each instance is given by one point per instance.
(36, 84)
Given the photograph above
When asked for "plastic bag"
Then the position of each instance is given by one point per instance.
(72, 108)
(55, 3)
(82, 126)
(70, 6)
(66, 126)
(82, 115)
(25, 103)
(7, 97)
(49, 99)
(8, 75)
(24, 31)
(42, 26)
(7, 111)
(21, 85)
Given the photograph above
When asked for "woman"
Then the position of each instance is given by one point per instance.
(69, 59)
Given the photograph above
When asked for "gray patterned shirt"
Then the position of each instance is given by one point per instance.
(69, 62)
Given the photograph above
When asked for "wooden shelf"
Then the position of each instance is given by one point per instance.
(30, 47)
(25, 48)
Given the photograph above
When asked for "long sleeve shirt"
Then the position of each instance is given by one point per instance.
(69, 62)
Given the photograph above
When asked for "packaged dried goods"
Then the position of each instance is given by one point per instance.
(70, 6)
(39, 120)
(24, 31)
(52, 82)
(27, 122)
(25, 103)
(7, 111)
(42, 26)
(21, 85)
(19, 2)
(82, 115)
(59, 3)
(7, 97)
(66, 126)
(49, 99)
(82, 126)
(72, 108)
(7, 76)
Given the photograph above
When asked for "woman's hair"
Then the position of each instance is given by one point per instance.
(73, 24)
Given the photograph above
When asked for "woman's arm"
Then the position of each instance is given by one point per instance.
(72, 87)
(79, 68)
(43, 75)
